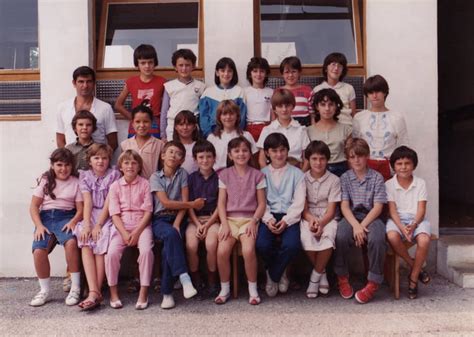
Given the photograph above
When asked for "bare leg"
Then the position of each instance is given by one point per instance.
(224, 250)
(143, 294)
(192, 245)
(72, 255)
(100, 269)
(423, 245)
(41, 260)
(114, 295)
(211, 250)
(250, 257)
(89, 263)
(322, 259)
(397, 245)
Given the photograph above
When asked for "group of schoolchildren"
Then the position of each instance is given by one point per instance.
(281, 170)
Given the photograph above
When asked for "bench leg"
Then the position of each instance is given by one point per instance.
(397, 277)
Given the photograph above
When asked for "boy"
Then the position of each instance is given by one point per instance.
(286, 195)
(170, 192)
(283, 103)
(203, 226)
(407, 199)
(182, 93)
(363, 197)
(84, 124)
(382, 129)
(291, 69)
(145, 88)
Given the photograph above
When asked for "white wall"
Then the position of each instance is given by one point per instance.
(402, 47)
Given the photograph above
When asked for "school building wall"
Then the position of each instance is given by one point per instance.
(401, 44)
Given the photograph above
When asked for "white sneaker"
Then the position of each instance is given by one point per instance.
(271, 288)
(73, 297)
(189, 290)
(324, 284)
(168, 302)
(284, 283)
(40, 299)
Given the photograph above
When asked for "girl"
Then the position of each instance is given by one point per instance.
(334, 71)
(143, 142)
(227, 128)
(241, 204)
(130, 206)
(187, 133)
(226, 87)
(318, 227)
(328, 105)
(258, 96)
(93, 233)
(56, 207)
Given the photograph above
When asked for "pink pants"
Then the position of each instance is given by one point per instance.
(145, 258)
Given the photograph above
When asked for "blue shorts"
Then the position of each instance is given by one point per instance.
(54, 220)
(423, 227)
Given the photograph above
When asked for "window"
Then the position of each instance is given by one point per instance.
(166, 24)
(310, 29)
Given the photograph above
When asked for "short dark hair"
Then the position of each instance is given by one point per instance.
(403, 152)
(318, 147)
(84, 114)
(222, 64)
(258, 63)
(376, 83)
(291, 61)
(337, 58)
(143, 52)
(142, 108)
(186, 116)
(186, 54)
(275, 140)
(327, 95)
(83, 71)
(282, 96)
(175, 144)
(203, 146)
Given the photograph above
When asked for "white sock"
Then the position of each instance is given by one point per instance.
(44, 284)
(184, 279)
(168, 297)
(315, 276)
(225, 289)
(76, 281)
(253, 292)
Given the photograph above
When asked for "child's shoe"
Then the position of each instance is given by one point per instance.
(324, 284)
(168, 302)
(271, 288)
(40, 299)
(284, 283)
(254, 300)
(314, 285)
(189, 290)
(367, 293)
(73, 297)
(345, 288)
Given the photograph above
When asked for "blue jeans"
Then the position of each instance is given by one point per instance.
(278, 256)
(54, 220)
(173, 260)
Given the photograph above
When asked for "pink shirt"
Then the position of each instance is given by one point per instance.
(130, 200)
(67, 192)
(150, 153)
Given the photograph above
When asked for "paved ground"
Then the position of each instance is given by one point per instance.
(443, 309)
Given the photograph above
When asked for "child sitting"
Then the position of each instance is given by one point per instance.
(382, 129)
(285, 203)
(84, 124)
(407, 199)
(204, 223)
(318, 229)
(363, 197)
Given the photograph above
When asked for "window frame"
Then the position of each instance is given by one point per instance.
(354, 69)
(122, 73)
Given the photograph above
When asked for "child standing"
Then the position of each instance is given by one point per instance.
(226, 79)
(258, 96)
(283, 103)
(84, 124)
(285, 202)
(56, 207)
(318, 227)
(145, 89)
(93, 233)
(130, 206)
(143, 142)
(204, 223)
(407, 199)
(171, 195)
(328, 129)
(363, 197)
(241, 205)
(180, 94)
(186, 131)
(291, 69)
(334, 71)
(227, 128)
(382, 129)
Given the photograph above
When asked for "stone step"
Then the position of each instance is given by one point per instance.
(456, 248)
(463, 274)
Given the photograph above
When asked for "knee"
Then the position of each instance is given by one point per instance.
(248, 252)
(423, 240)
(393, 237)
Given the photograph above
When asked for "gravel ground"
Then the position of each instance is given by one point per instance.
(442, 309)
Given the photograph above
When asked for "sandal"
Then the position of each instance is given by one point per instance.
(116, 304)
(222, 299)
(412, 291)
(424, 277)
(89, 304)
(254, 300)
(313, 289)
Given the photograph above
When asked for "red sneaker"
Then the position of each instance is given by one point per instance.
(367, 293)
(345, 288)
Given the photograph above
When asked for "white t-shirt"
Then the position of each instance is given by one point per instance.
(347, 94)
(406, 199)
(259, 104)
(101, 110)
(189, 163)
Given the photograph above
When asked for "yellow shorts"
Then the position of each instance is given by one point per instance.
(238, 226)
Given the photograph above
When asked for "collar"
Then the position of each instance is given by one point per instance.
(85, 146)
(222, 88)
(312, 180)
(337, 86)
(186, 83)
(123, 182)
(399, 187)
(161, 173)
(369, 175)
(276, 124)
(213, 173)
(274, 170)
